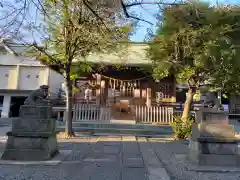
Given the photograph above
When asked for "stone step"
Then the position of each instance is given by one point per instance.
(121, 126)
(140, 135)
(115, 124)
(113, 130)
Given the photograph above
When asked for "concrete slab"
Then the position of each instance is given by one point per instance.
(154, 167)
(134, 174)
(133, 162)
(56, 160)
(131, 155)
(111, 149)
(148, 154)
(105, 173)
(157, 174)
(103, 158)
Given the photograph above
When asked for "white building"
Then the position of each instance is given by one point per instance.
(19, 76)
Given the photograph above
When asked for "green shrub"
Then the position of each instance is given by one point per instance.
(182, 129)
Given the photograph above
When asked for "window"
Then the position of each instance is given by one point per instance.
(1, 104)
(1, 101)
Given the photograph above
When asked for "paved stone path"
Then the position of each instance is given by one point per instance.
(94, 158)
(113, 158)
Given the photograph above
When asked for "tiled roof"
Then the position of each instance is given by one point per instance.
(11, 47)
(131, 55)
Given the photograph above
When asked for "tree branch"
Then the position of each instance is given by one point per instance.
(151, 3)
(130, 16)
(125, 6)
(98, 17)
(58, 63)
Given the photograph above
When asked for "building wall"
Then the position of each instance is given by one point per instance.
(5, 75)
(21, 74)
(55, 82)
(17, 77)
(28, 76)
(32, 77)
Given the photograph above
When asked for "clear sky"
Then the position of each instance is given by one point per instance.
(148, 13)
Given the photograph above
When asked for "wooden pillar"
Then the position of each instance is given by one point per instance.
(174, 91)
(149, 95)
(105, 91)
(101, 91)
(140, 89)
(98, 91)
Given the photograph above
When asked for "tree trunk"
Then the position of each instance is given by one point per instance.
(69, 106)
(188, 103)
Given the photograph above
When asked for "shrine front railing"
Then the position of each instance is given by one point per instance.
(84, 112)
(91, 112)
(154, 114)
(159, 114)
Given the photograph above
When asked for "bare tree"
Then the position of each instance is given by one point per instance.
(24, 15)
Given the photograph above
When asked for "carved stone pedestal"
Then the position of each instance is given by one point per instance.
(213, 140)
(215, 151)
(33, 136)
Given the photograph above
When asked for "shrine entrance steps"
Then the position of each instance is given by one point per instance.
(114, 128)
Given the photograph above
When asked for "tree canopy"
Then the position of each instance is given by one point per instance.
(198, 43)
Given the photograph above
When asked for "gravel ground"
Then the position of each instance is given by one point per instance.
(166, 151)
